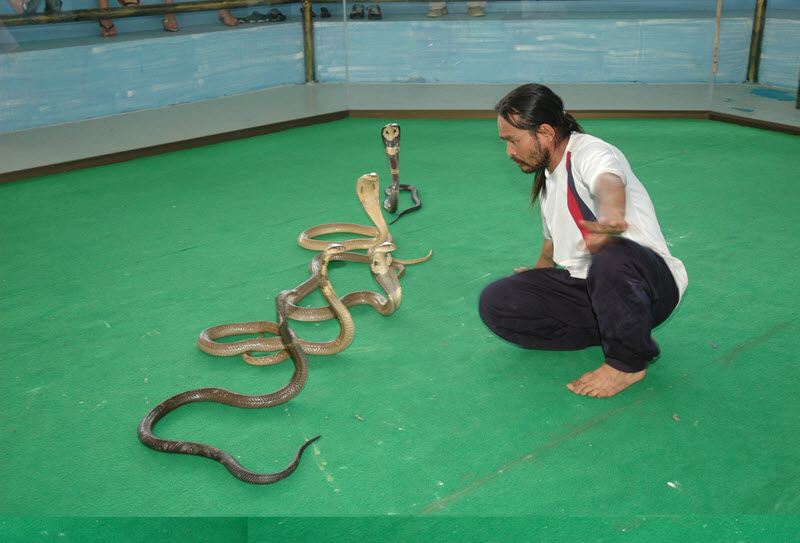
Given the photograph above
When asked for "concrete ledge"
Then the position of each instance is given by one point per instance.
(70, 146)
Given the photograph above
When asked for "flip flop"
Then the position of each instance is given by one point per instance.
(129, 3)
(107, 31)
(374, 12)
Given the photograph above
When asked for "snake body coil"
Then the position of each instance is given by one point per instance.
(285, 343)
(227, 397)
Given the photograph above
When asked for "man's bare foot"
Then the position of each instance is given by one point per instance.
(604, 382)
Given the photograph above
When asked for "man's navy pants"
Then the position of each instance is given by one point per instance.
(629, 291)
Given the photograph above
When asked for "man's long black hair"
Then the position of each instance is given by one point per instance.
(533, 105)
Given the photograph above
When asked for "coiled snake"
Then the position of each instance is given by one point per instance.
(285, 343)
(390, 134)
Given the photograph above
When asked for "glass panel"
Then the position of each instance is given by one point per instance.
(611, 55)
(764, 89)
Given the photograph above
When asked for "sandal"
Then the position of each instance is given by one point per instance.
(169, 23)
(374, 12)
(358, 11)
(107, 31)
(129, 3)
(324, 13)
(274, 16)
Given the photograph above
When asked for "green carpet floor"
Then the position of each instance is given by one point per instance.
(432, 428)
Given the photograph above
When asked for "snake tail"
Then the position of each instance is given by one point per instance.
(235, 399)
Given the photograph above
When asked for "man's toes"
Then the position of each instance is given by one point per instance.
(571, 385)
(579, 386)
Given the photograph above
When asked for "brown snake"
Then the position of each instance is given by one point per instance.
(235, 399)
(379, 258)
(382, 267)
(285, 343)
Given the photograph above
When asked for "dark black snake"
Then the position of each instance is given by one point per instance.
(390, 134)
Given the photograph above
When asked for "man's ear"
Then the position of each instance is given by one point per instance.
(547, 132)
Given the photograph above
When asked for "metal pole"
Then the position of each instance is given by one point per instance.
(308, 40)
(716, 38)
(755, 40)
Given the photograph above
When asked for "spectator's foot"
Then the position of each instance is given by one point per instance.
(226, 18)
(437, 12)
(476, 11)
(107, 29)
(17, 6)
(170, 24)
(24, 6)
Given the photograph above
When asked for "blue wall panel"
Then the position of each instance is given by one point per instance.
(49, 86)
(329, 51)
(502, 51)
(780, 53)
(66, 72)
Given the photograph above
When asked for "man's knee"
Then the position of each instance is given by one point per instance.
(614, 256)
(491, 300)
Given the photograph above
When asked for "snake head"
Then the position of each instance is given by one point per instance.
(390, 134)
(367, 187)
(332, 249)
(325, 257)
(380, 257)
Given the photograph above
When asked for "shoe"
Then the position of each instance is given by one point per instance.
(275, 16)
(129, 3)
(476, 11)
(107, 30)
(169, 23)
(324, 13)
(358, 11)
(437, 12)
(374, 12)
(254, 17)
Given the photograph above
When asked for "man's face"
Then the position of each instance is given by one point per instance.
(522, 147)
